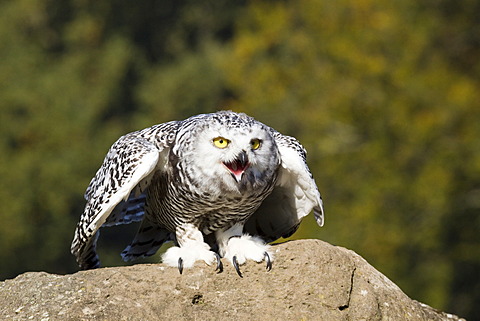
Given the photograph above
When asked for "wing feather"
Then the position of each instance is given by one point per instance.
(126, 212)
(294, 196)
(116, 193)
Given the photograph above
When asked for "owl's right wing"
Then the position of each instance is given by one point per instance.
(116, 193)
(294, 196)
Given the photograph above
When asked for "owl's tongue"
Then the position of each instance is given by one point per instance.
(238, 166)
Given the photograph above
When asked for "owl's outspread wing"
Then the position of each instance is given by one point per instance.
(116, 193)
(293, 198)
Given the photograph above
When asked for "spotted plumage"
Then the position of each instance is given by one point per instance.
(220, 184)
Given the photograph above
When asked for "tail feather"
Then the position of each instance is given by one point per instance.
(147, 241)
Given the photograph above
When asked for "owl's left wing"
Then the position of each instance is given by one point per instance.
(116, 193)
(294, 196)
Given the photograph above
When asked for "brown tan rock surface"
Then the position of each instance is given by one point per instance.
(310, 280)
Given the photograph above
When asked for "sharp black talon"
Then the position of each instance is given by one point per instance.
(180, 265)
(235, 265)
(219, 264)
(269, 262)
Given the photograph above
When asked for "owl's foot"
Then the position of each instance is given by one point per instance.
(186, 256)
(239, 249)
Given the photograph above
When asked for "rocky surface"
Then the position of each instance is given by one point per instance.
(310, 280)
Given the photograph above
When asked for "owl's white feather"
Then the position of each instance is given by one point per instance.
(294, 174)
(142, 170)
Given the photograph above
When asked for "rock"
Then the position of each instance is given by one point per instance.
(310, 280)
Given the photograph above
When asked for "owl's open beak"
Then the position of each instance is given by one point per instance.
(238, 166)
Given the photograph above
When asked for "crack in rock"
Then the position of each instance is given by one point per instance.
(343, 307)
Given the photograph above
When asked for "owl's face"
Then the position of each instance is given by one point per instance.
(235, 159)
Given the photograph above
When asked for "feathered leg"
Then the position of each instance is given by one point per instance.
(238, 247)
(191, 248)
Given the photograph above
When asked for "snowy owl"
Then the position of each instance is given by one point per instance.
(219, 185)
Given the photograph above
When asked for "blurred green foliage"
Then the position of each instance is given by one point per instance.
(384, 95)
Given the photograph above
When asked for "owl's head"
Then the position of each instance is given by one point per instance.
(232, 152)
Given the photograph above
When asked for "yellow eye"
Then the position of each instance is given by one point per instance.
(255, 143)
(221, 142)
